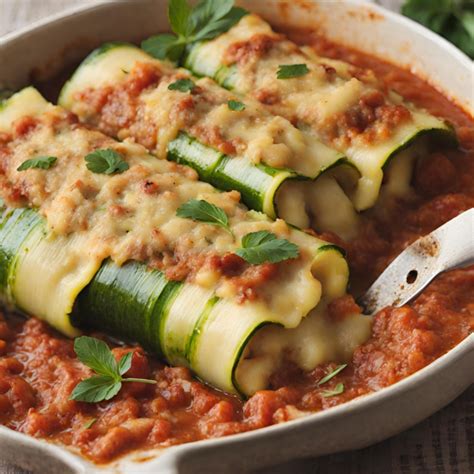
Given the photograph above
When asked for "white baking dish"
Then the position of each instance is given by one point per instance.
(48, 46)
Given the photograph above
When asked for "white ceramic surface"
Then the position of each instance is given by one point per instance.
(48, 46)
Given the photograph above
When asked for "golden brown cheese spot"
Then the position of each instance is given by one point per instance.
(213, 136)
(370, 120)
(252, 49)
(122, 213)
(244, 277)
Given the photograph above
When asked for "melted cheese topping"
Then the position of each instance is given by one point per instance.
(258, 135)
(252, 135)
(348, 113)
(132, 215)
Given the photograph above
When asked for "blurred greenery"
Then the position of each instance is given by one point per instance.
(453, 19)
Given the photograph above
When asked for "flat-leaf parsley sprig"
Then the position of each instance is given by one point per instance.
(289, 71)
(182, 85)
(208, 19)
(107, 383)
(236, 105)
(40, 162)
(106, 161)
(263, 246)
(203, 211)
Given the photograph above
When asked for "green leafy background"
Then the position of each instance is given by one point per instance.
(453, 19)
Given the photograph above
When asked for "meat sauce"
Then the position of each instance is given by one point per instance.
(38, 367)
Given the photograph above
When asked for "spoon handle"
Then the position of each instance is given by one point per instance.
(449, 246)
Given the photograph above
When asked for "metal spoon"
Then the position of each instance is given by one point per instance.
(449, 246)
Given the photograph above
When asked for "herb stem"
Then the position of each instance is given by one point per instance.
(229, 230)
(132, 379)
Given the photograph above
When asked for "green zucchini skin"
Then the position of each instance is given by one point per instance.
(188, 151)
(125, 301)
(15, 226)
(257, 184)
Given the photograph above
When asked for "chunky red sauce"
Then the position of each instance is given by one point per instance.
(38, 368)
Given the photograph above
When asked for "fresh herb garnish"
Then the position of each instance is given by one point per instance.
(41, 162)
(337, 390)
(96, 355)
(263, 246)
(332, 374)
(106, 162)
(291, 70)
(203, 211)
(453, 19)
(236, 105)
(208, 19)
(182, 85)
(88, 424)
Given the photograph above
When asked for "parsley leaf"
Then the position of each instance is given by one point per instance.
(203, 211)
(208, 19)
(289, 71)
(337, 390)
(164, 46)
(236, 105)
(263, 246)
(209, 11)
(125, 363)
(178, 14)
(453, 19)
(96, 355)
(41, 162)
(96, 389)
(182, 85)
(106, 161)
(220, 25)
(332, 374)
(107, 383)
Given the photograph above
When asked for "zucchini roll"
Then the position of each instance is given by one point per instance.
(344, 107)
(232, 142)
(93, 235)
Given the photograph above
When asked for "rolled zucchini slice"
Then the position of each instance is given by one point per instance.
(190, 325)
(42, 275)
(257, 184)
(270, 158)
(197, 322)
(181, 322)
(317, 100)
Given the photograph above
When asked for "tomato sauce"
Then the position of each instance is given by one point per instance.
(38, 367)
